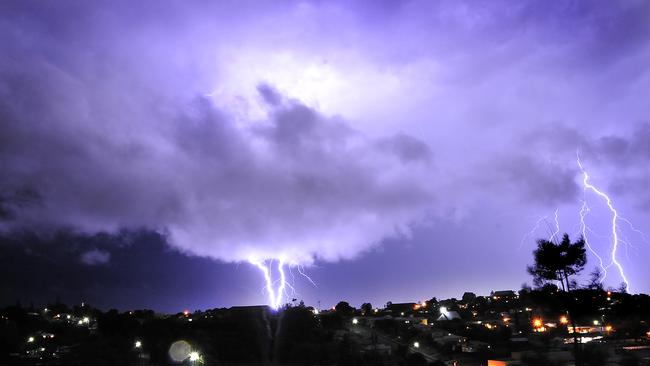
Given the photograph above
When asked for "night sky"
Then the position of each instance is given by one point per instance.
(390, 150)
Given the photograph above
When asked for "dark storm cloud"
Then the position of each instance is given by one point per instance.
(626, 149)
(95, 257)
(104, 146)
(629, 154)
(407, 148)
(620, 158)
(540, 181)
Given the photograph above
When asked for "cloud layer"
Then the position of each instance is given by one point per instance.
(304, 129)
(101, 150)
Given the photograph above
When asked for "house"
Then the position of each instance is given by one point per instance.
(401, 309)
(504, 295)
(448, 315)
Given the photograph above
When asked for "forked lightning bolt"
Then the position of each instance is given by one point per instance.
(538, 224)
(275, 294)
(277, 289)
(557, 227)
(584, 210)
(615, 218)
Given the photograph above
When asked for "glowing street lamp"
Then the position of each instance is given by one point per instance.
(30, 340)
(416, 344)
(194, 356)
(355, 321)
(564, 320)
(138, 344)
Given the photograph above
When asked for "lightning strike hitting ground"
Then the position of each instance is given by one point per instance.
(615, 218)
(275, 295)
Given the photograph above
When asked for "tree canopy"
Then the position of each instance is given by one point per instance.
(558, 261)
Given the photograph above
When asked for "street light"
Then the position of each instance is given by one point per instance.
(355, 321)
(138, 344)
(30, 340)
(416, 344)
(194, 356)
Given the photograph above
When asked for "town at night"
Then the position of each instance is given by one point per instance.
(312, 182)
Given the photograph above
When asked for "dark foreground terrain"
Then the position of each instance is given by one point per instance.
(531, 327)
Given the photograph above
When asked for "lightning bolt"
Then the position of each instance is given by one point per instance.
(302, 273)
(532, 231)
(584, 210)
(643, 235)
(557, 227)
(615, 218)
(277, 289)
(275, 295)
(537, 226)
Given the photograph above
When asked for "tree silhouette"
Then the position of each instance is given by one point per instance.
(343, 307)
(558, 261)
(596, 280)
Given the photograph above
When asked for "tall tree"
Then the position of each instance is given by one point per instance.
(558, 261)
(596, 280)
(343, 307)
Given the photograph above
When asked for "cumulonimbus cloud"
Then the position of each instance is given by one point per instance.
(101, 150)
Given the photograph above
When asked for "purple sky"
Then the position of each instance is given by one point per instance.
(397, 150)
